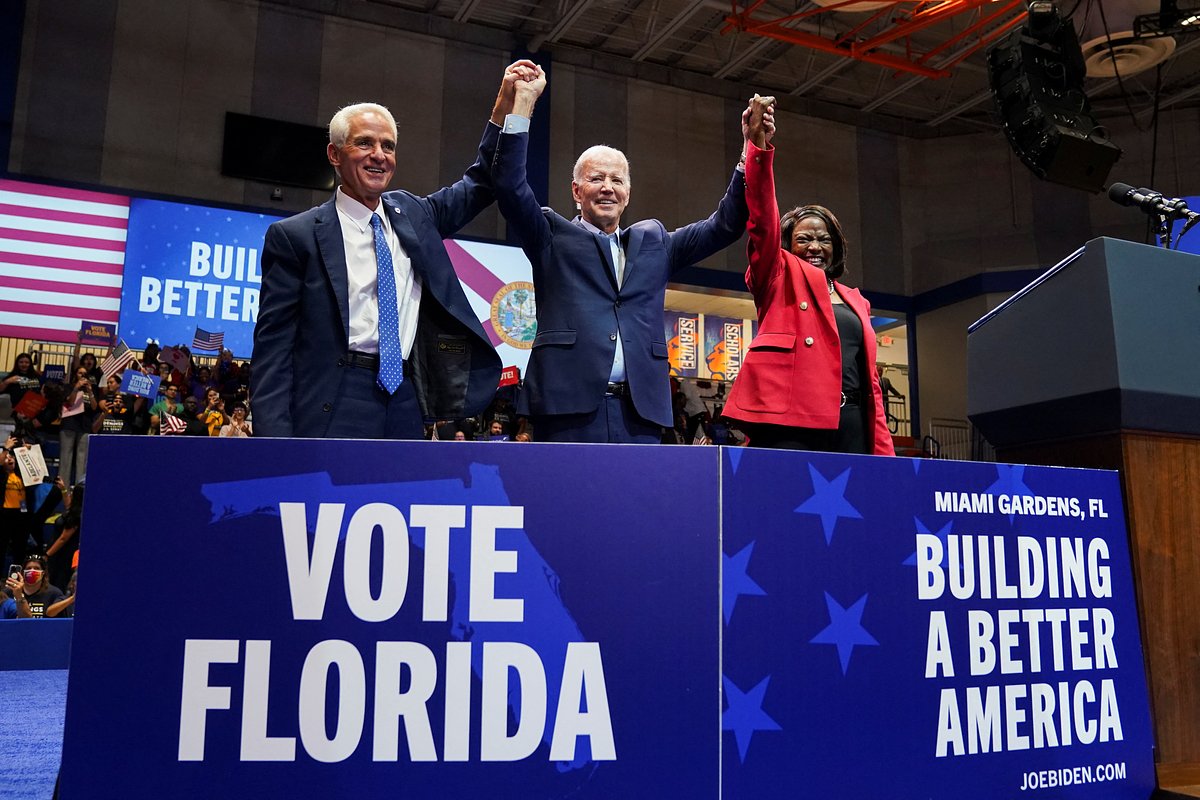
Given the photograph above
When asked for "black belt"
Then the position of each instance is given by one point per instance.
(849, 398)
(361, 360)
(617, 389)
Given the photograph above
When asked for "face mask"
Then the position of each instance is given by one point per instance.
(33, 576)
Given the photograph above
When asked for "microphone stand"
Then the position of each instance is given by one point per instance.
(1192, 219)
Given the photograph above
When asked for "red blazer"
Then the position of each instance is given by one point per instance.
(792, 373)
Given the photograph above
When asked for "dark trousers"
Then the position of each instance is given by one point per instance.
(849, 437)
(364, 411)
(616, 421)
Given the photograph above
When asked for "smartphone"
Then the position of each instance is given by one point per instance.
(14, 570)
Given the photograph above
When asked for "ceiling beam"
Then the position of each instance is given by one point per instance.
(568, 19)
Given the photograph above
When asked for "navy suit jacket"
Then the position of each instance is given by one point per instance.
(303, 326)
(579, 306)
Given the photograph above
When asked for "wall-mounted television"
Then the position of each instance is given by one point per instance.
(274, 151)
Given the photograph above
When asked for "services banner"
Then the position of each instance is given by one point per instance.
(415, 619)
(928, 629)
(682, 331)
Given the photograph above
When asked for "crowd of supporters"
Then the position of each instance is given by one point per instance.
(40, 523)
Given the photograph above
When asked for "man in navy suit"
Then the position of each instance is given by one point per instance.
(598, 368)
(317, 342)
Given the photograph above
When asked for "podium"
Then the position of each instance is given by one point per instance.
(1094, 364)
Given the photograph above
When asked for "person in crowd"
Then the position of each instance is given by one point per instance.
(808, 380)
(193, 417)
(14, 514)
(214, 412)
(85, 360)
(118, 412)
(30, 591)
(65, 607)
(496, 432)
(23, 377)
(168, 404)
(167, 375)
(331, 357)
(201, 383)
(694, 410)
(523, 437)
(78, 413)
(459, 436)
(237, 425)
(598, 368)
(46, 423)
(61, 551)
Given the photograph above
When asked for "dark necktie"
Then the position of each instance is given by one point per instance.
(391, 358)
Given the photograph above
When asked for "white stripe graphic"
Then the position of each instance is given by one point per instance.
(63, 251)
(62, 228)
(72, 276)
(62, 204)
(44, 321)
(35, 296)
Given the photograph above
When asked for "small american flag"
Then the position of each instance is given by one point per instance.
(701, 437)
(171, 424)
(211, 342)
(118, 360)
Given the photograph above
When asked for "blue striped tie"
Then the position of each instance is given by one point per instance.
(391, 357)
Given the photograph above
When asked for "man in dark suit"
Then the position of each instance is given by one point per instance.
(344, 348)
(598, 368)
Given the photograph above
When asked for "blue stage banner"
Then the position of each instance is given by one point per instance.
(930, 630)
(188, 266)
(411, 619)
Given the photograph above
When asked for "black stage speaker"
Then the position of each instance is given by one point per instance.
(1036, 76)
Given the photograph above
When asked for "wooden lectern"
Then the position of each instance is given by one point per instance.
(1097, 364)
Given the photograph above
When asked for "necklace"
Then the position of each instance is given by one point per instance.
(829, 281)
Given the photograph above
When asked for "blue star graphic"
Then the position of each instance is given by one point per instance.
(828, 501)
(1010, 480)
(845, 629)
(942, 533)
(745, 715)
(735, 581)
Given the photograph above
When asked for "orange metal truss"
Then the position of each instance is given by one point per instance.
(994, 18)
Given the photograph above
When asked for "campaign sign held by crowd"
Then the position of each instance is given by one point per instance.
(928, 629)
(412, 619)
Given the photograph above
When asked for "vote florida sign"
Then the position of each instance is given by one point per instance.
(435, 619)
(928, 629)
(418, 619)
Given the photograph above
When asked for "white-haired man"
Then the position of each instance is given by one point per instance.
(363, 328)
(598, 368)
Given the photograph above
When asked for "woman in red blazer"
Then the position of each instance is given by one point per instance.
(808, 381)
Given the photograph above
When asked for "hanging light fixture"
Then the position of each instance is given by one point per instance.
(1108, 40)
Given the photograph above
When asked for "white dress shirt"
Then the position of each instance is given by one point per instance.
(362, 277)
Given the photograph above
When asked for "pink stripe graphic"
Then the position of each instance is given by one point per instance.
(30, 260)
(87, 289)
(64, 193)
(70, 312)
(40, 334)
(472, 272)
(58, 238)
(63, 216)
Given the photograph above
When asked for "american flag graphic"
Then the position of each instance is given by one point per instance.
(120, 358)
(212, 342)
(62, 252)
(171, 425)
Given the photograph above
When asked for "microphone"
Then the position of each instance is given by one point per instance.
(1149, 201)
